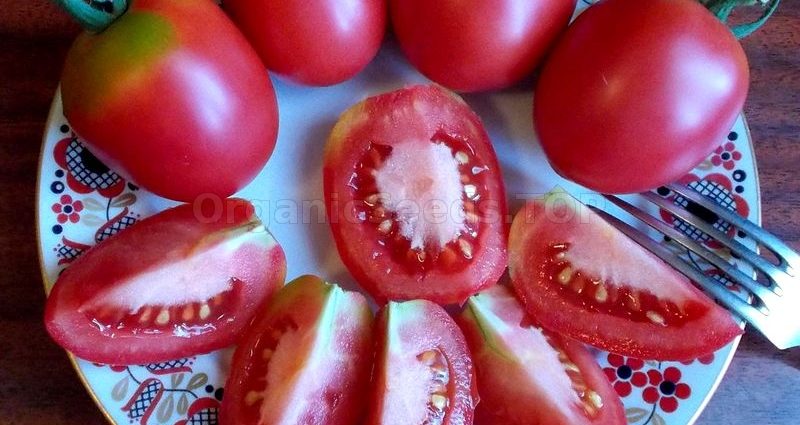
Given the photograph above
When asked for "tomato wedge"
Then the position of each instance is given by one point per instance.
(423, 372)
(183, 282)
(305, 360)
(579, 276)
(528, 376)
(415, 196)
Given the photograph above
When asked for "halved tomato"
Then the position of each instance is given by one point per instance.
(415, 196)
(579, 276)
(185, 281)
(305, 360)
(528, 376)
(423, 372)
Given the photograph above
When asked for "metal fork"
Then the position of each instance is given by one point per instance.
(774, 308)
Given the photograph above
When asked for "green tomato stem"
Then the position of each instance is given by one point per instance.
(723, 9)
(94, 15)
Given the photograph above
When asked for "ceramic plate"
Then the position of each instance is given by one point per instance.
(81, 202)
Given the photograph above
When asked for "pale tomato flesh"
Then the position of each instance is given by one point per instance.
(423, 372)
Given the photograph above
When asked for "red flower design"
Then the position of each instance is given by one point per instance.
(624, 373)
(706, 360)
(666, 389)
(67, 210)
(85, 173)
(726, 155)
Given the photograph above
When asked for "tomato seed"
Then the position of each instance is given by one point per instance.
(565, 275)
(601, 294)
(439, 401)
(204, 312)
(163, 317)
(145, 316)
(466, 248)
(462, 157)
(471, 191)
(385, 227)
(656, 318)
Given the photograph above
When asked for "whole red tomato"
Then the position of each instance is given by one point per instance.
(172, 96)
(315, 42)
(636, 93)
(476, 45)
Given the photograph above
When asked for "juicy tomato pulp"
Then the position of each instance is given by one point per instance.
(423, 372)
(636, 93)
(185, 281)
(527, 376)
(305, 360)
(415, 196)
(579, 276)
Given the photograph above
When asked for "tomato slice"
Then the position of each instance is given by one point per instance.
(415, 196)
(305, 360)
(423, 372)
(580, 276)
(529, 376)
(183, 282)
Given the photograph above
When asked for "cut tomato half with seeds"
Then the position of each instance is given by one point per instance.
(579, 276)
(415, 197)
(305, 360)
(423, 372)
(529, 376)
(183, 282)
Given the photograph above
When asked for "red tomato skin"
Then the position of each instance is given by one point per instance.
(499, 377)
(428, 327)
(184, 112)
(348, 141)
(304, 301)
(476, 45)
(637, 93)
(532, 231)
(150, 243)
(317, 43)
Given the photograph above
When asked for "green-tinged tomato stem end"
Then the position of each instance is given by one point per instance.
(94, 15)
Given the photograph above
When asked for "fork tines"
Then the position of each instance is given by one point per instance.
(775, 309)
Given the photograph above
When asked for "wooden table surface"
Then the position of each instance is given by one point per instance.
(37, 383)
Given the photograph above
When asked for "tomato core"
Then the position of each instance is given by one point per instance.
(429, 216)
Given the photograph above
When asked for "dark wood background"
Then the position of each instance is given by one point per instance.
(37, 383)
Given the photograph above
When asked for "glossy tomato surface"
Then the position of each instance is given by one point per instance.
(305, 360)
(636, 93)
(579, 276)
(423, 373)
(528, 376)
(415, 196)
(172, 96)
(477, 45)
(316, 42)
(185, 281)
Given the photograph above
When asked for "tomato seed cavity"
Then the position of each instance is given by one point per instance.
(438, 402)
(183, 320)
(612, 298)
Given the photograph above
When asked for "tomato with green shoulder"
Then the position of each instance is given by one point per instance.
(172, 96)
